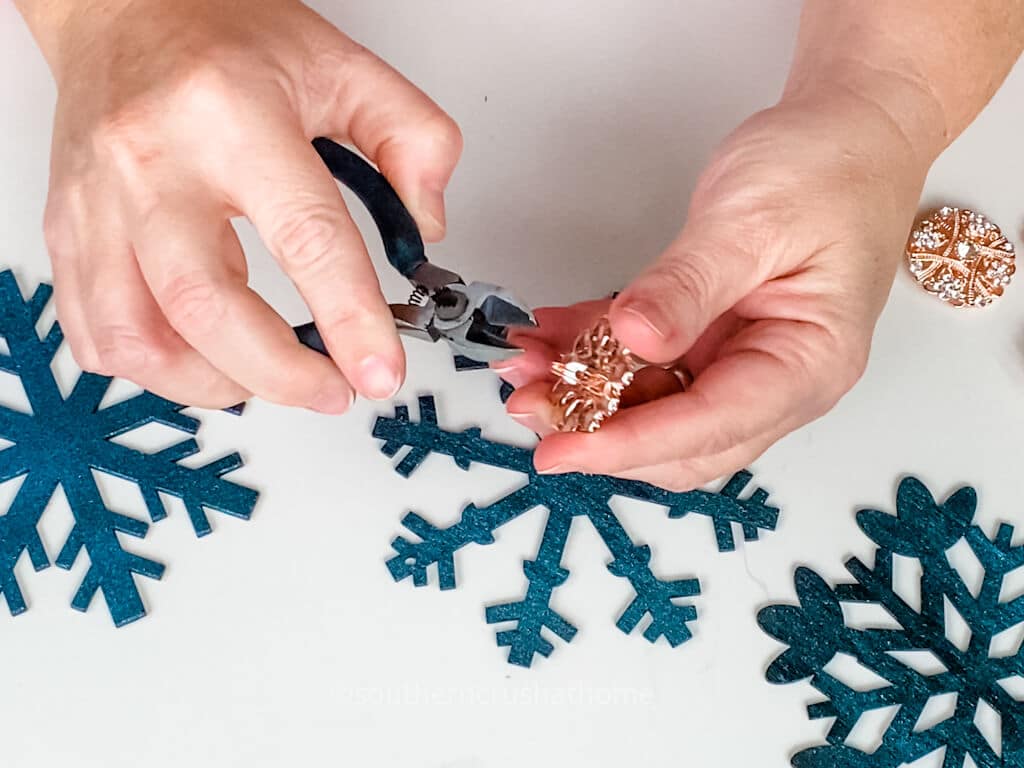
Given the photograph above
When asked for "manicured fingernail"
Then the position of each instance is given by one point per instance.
(334, 400)
(504, 366)
(644, 313)
(513, 375)
(528, 420)
(378, 378)
(557, 469)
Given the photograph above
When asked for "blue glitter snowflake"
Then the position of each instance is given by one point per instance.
(565, 497)
(63, 439)
(816, 631)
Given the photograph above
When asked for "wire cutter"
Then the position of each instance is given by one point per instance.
(474, 319)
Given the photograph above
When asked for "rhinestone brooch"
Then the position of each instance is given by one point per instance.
(961, 257)
(591, 379)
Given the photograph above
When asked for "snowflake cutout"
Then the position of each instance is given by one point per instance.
(816, 631)
(565, 497)
(63, 439)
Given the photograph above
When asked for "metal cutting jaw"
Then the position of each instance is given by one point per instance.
(474, 319)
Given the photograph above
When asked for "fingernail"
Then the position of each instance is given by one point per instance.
(512, 375)
(431, 206)
(557, 469)
(528, 420)
(378, 378)
(504, 366)
(643, 313)
(335, 400)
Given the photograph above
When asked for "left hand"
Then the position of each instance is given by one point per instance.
(769, 296)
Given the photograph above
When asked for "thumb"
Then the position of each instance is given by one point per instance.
(413, 142)
(668, 307)
(419, 167)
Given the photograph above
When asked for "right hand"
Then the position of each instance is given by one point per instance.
(769, 295)
(174, 116)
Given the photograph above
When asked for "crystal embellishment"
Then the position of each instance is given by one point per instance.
(961, 257)
(591, 379)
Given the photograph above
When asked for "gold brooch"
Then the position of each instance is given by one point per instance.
(961, 257)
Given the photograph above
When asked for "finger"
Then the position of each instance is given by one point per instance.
(62, 244)
(670, 305)
(413, 142)
(67, 293)
(689, 474)
(298, 210)
(194, 267)
(554, 335)
(708, 347)
(772, 374)
(531, 406)
(133, 339)
(558, 327)
(532, 364)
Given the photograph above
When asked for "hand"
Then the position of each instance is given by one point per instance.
(175, 116)
(769, 296)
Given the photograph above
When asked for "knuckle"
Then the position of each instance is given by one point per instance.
(209, 85)
(682, 280)
(828, 362)
(117, 126)
(354, 309)
(442, 132)
(341, 321)
(352, 55)
(680, 477)
(308, 241)
(722, 435)
(852, 365)
(200, 89)
(192, 304)
(334, 63)
(849, 367)
(85, 356)
(57, 233)
(330, 59)
(123, 350)
(208, 77)
(123, 135)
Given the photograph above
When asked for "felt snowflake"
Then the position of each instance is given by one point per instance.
(63, 440)
(816, 632)
(565, 497)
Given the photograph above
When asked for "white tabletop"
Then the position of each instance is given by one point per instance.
(284, 640)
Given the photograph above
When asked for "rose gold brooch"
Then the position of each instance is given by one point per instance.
(961, 257)
(591, 379)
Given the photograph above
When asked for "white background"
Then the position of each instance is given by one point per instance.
(283, 640)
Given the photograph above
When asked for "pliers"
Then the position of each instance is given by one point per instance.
(474, 319)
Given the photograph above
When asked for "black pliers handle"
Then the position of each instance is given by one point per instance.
(474, 319)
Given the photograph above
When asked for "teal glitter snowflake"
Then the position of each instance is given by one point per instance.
(63, 440)
(816, 632)
(565, 497)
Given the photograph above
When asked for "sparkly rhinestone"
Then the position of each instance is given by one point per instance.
(973, 260)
